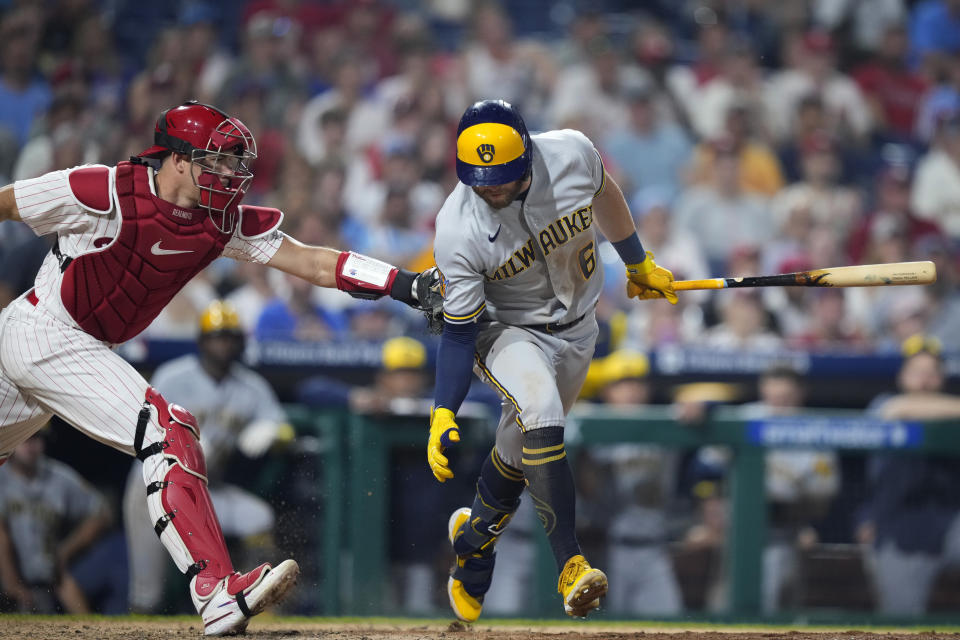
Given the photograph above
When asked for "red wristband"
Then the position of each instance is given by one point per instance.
(364, 277)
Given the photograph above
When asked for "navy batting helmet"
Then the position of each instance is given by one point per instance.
(493, 146)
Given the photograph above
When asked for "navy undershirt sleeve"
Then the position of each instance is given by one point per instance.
(455, 364)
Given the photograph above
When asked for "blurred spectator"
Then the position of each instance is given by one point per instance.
(268, 59)
(496, 63)
(653, 213)
(720, 215)
(936, 186)
(585, 26)
(808, 122)
(209, 61)
(685, 81)
(256, 288)
(366, 120)
(829, 325)
(759, 169)
(642, 479)
(48, 516)
(328, 206)
(891, 218)
(420, 69)
(62, 140)
(799, 486)
(739, 83)
(863, 24)
(167, 79)
(238, 414)
(371, 177)
(943, 296)
(831, 204)
(743, 326)
(367, 26)
(608, 79)
(665, 147)
(395, 237)
(815, 71)
(653, 48)
(296, 317)
(250, 105)
(912, 516)
(24, 93)
(941, 102)
(95, 66)
(934, 31)
(892, 89)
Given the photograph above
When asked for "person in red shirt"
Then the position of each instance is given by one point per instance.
(891, 87)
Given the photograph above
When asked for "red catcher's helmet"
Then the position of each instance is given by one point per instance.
(221, 146)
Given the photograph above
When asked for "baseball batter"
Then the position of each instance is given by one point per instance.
(516, 245)
(129, 237)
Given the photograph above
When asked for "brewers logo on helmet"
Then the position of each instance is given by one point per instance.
(493, 146)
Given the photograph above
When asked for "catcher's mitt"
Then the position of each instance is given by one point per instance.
(430, 289)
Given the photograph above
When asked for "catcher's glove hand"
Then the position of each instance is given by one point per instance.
(429, 288)
(646, 280)
(444, 432)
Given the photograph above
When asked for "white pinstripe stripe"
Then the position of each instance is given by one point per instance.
(78, 378)
(117, 368)
(107, 363)
(29, 416)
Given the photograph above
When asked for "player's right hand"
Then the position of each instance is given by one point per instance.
(646, 280)
(444, 432)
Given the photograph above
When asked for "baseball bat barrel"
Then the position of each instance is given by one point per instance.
(866, 275)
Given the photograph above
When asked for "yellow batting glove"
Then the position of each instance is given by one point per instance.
(646, 281)
(444, 432)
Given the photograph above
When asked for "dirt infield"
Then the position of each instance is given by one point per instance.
(27, 628)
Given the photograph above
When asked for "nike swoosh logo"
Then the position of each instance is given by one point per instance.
(494, 236)
(157, 251)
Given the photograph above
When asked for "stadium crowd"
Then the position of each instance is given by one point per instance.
(750, 137)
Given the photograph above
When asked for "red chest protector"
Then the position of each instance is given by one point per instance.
(114, 293)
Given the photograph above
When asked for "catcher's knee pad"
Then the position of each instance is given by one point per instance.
(177, 498)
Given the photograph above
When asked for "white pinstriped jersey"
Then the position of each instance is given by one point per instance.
(534, 261)
(47, 205)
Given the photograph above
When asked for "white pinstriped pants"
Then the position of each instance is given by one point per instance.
(48, 367)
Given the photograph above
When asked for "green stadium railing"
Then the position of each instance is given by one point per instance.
(368, 441)
(328, 428)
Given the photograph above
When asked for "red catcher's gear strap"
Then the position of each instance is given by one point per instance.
(184, 498)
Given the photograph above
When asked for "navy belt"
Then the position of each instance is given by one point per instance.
(555, 327)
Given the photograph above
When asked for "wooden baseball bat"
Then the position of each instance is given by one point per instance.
(866, 275)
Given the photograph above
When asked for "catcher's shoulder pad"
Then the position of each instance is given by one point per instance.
(91, 187)
(256, 222)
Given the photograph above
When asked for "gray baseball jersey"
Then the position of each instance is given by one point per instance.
(534, 261)
(531, 263)
(39, 511)
(222, 408)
